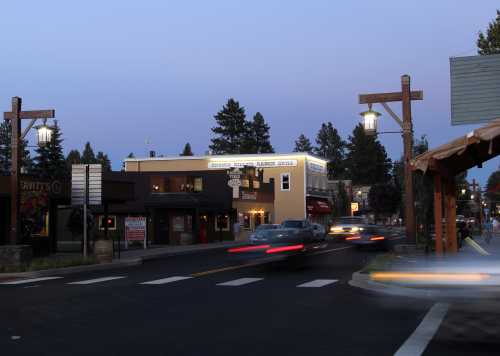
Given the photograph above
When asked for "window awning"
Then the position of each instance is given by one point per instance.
(317, 206)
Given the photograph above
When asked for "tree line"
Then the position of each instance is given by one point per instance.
(49, 161)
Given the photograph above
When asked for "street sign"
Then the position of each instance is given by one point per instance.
(82, 177)
(354, 207)
(475, 89)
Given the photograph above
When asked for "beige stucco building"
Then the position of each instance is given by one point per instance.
(300, 179)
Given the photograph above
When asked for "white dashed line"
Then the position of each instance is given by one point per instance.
(239, 282)
(31, 280)
(98, 280)
(167, 280)
(317, 283)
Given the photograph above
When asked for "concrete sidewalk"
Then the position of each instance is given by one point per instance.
(467, 260)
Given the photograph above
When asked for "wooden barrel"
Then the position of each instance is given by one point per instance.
(103, 250)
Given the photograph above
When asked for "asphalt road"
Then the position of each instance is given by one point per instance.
(261, 310)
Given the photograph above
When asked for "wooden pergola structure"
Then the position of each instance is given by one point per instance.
(447, 161)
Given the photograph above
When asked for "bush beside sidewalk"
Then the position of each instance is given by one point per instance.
(63, 264)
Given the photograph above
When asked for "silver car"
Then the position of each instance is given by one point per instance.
(346, 226)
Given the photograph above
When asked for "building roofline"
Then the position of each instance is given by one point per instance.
(228, 156)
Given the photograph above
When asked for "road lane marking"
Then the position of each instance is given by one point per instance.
(332, 250)
(258, 263)
(97, 280)
(423, 334)
(240, 282)
(317, 283)
(31, 280)
(167, 280)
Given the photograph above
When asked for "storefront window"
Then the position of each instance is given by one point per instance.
(267, 218)
(176, 184)
(258, 220)
(222, 222)
(198, 184)
(246, 221)
(111, 222)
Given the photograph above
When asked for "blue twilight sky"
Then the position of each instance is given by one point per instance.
(121, 72)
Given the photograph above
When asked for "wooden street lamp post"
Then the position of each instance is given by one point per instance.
(405, 96)
(15, 117)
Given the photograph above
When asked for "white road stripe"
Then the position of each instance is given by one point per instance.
(97, 280)
(317, 283)
(31, 280)
(240, 282)
(423, 334)
(167, 280)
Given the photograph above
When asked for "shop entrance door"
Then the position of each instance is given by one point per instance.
(162, 228)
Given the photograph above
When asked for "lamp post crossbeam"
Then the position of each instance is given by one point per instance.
(392, 114)
(388, 97)
(33, 114)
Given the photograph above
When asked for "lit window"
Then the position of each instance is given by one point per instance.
(285, 181)
(198, 184)
(222, 223)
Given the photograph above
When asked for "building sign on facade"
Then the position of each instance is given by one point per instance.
(235, 182)
(354, 208)
(257, 164)
(314, 167)
(248, 195)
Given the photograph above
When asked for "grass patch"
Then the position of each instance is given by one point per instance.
(38, 264)
(381, 262)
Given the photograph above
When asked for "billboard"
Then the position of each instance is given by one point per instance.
(475, 89)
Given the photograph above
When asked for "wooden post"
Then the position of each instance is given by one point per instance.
(438, 214)
(408, 154)
(451, 216)
(15, 219)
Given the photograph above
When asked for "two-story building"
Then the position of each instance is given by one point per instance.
(300, 179)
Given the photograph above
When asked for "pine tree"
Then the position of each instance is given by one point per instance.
(49, 161)
(131, 155)
(88, 156)
(258, 137)
(231, 130)
(72, 158)
(6, 151)
(187, 150)
(490, 43)
(302, 144)
(331, 147)
(103, 160)
(367, 162)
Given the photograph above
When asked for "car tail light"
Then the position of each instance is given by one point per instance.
(248, 248)
(353, 238)
(285, 248)
(377, 238)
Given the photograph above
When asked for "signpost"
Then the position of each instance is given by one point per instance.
(135, 229)
(235, 182)
(86, 189)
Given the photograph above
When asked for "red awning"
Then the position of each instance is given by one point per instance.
(317, 206)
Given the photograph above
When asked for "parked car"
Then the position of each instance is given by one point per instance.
(346, 226)
(291, 238)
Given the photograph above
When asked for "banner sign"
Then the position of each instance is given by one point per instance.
(135, 228)
(257, 164)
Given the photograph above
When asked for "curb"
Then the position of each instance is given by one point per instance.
(363, 281)
(75, 269)
(126, 262)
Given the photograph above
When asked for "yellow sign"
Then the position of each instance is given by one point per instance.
(354, 207)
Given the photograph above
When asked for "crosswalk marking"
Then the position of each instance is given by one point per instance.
(317, 283)
(167, 280)
(97, 280)
(240, 282)
(31, 280)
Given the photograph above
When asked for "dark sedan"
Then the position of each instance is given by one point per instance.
(291, 238)
(371, 235)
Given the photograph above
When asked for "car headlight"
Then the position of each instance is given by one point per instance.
(355, 229)
(336, 229)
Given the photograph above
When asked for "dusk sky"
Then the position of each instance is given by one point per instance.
(121, 72)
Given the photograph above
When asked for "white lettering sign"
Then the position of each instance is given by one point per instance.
(257, 164)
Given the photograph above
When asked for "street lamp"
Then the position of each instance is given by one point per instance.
(472, 196)
(370, 119)
(463, 191)
(44, 134)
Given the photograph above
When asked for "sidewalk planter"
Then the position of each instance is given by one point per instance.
(103, 251)
(15, 255)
